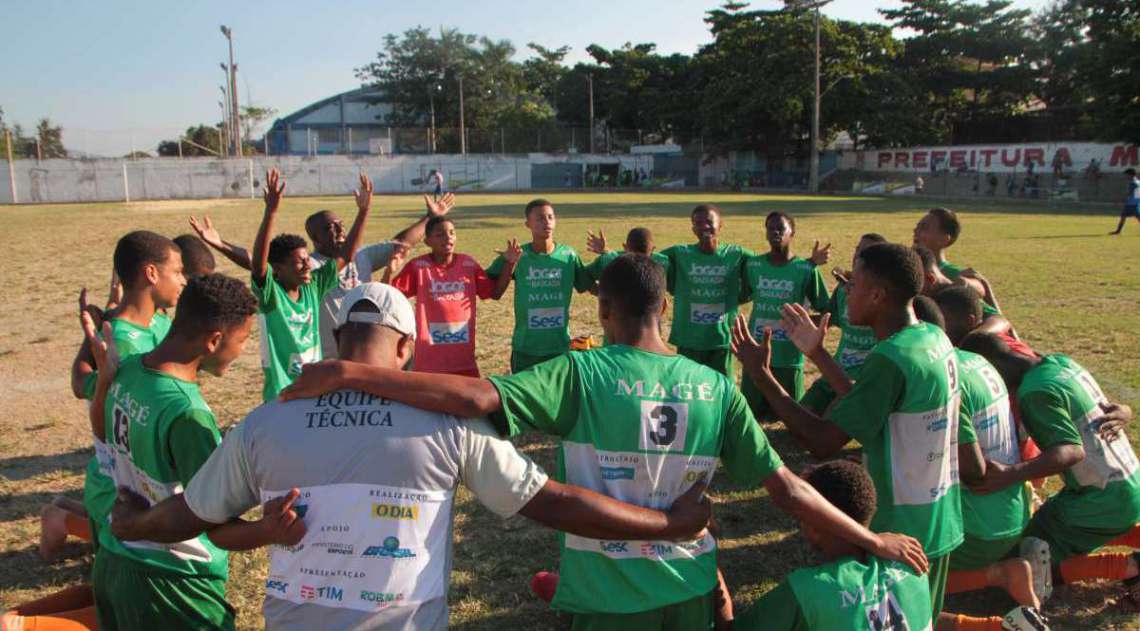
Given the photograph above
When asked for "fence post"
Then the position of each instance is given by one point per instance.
(350, 141)
(126, 184)
(502, 141)
(252, 194)
(11, 165)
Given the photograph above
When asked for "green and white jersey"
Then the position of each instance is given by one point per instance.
(544, 286)
(904, 410)
(706, 292)
(844, 595)
(640, 427)
(289, 330)
(855, 342)
(130, 340)
(772, 286)
(159, 432)
(986, 419)
(1060, 404)
(952, 271)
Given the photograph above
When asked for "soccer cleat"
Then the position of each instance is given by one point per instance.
(1036, 551)
(1024, 619)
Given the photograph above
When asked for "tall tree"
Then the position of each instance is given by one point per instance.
(50, 140)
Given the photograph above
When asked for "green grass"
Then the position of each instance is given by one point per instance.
(1066, 286)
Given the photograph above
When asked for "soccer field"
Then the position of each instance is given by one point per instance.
(1065, 284)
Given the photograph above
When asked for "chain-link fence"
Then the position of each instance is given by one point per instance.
(359, 139)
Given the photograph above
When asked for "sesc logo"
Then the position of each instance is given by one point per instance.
(614, 547)
(706, 314)
(389, 549)
(544, 273)
(449, 332)
(274, 585)
(550, 318)
(395, 511)
(447, 287)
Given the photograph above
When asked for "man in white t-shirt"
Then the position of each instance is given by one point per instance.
(375, 482)
(326, 230)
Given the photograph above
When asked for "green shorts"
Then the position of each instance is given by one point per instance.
(691, 615)
(975, 553)
(1067, 539)
(522, 361)
(939, 572)
(719, 359)
(790, 377)
(130, 595)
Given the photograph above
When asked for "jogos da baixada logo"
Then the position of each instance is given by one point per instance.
(390, 549)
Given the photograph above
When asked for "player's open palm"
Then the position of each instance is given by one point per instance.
(903, 549)
(820, 255)
(512, 253)
(441, 207)
(800, 329)
(273, 190)
(754, 356)
(596, 243)
(206, 231)
(363, 194)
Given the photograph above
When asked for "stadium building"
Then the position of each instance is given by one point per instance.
(351, 122)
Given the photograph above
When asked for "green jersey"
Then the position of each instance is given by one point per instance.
(640, 427)
(544, 286)
(770, 287)
(952, 271)
(844, 595)
(1060, 404)
(706, 292)
(855, 342)
(130, 339)
(904, 410)
(986, 419)
(160, 431)
(290, 334)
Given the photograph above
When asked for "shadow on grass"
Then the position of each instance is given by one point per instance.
(24, 569)
(19, 468)
(21, 505)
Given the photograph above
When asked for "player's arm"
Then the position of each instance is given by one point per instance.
(84, 366)
(274, 189)
(172, 520)
(106, 360)
(210, 235)
(978, 283)
(585, 513)
(971, 462)
(503, 271)
(414, 233)
(363, 198)
(807, 333)
(279, 524)
(801, 500)
(994, 325)
(450, 394)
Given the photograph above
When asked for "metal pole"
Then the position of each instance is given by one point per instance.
(502, 141)
(180, 147)
(126, 184)
(590, 89)
(221, 145)
(252, 191)
(11, 166)
(349, 141)
(228, 32)
(431, 132)
(813, 172)
(462, 126)
(39, 152)
(226, 110)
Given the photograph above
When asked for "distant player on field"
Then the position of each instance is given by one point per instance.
(1131, 202)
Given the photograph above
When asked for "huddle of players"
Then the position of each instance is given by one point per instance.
(901, 383)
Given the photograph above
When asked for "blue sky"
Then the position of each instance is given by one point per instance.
(119, 74)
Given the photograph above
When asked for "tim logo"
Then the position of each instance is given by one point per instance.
(552, 318)
(649, 549)
(614, 547)
(308, 592)
(273, 585)
(447, 287)
(544, 273)
(707, 270)
(449, 333)
(706, 314)
(330, 593)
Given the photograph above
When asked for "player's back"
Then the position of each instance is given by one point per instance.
(854, 595)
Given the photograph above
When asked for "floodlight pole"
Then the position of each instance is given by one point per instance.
(235, 118)
(11, 166)
(813, 174)
(462, 122)
(590, 90)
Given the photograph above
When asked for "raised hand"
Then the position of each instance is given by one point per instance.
(596, 243)
(797, 324)
(441, 207)
(363, 195)
(206, 231)
(754, 356)
(102, 348)
(279, 523)
(273, 190)
(690, 513)
(512, 253)
(820, 256)
(903, 549)
(315, 379)
(85, 308)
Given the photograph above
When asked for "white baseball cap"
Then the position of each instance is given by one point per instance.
(395, 311)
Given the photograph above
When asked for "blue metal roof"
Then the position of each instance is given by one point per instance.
(366, 93)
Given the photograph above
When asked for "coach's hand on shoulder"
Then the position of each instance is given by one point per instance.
(315, 379)
(754, 356)
(689, 514)
(902, 548)
(126, 515)
(279, 523)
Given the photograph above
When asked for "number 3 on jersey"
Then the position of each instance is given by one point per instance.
(663, 425)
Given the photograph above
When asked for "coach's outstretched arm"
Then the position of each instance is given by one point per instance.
(274, 189)
(462, 397)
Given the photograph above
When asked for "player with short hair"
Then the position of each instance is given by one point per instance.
(546, 276)
(374, 482)
(1065, 411)
(446, 286)
(939, 229)
(850, 590)
(196, 256)
(1131, 201)
(637, 423)
(638, 241)
(855, 342)
(903, 409)
(290, 292)
(771, 280)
